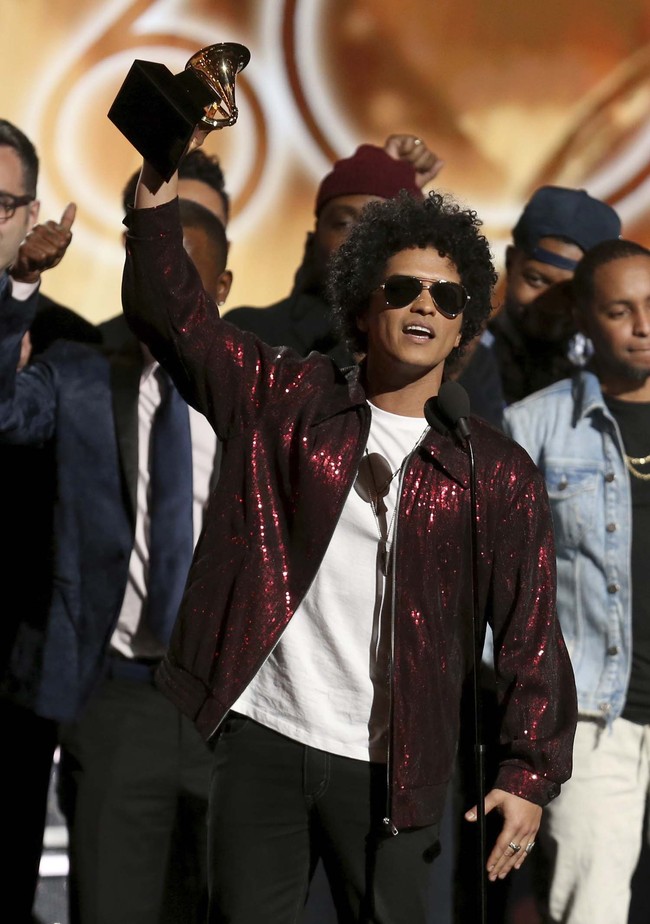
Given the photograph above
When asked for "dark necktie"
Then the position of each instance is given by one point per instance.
(170, 509)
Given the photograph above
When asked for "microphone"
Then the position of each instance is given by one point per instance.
(449, 410)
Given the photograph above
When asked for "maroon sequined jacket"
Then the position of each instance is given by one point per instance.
(293, 432)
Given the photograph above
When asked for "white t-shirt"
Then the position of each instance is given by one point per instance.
(326, 682)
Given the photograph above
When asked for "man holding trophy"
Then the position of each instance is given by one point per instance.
(324, 636)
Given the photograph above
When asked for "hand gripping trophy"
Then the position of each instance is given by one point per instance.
(159, 112)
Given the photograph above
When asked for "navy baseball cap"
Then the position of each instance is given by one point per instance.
(554, 211)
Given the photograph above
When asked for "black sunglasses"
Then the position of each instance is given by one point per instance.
(449, 297)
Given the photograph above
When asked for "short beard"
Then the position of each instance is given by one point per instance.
(622, 371)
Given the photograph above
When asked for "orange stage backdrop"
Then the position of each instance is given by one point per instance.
(511, 94)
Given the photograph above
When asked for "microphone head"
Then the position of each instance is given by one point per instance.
(453, 402)
(449, 409)
(434, 416)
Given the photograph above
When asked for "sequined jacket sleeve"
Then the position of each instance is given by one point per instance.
(168, 309)
(516, 585)
(535, 685)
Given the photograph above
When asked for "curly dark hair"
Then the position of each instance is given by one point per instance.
(403, 223)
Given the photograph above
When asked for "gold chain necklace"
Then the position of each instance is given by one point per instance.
(632, 461)
(641, 460)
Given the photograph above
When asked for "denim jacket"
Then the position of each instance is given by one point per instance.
(570, 434)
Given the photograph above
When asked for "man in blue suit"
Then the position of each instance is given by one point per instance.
(26, 501)
(130, 758)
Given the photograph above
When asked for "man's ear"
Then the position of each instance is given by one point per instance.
(362, 321)
(224, 283)
(32, 210)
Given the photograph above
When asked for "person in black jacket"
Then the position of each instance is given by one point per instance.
(534, 337)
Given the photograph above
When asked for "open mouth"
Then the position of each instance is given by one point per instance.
(419, 331)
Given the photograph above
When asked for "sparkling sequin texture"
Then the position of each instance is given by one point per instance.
(293, 433)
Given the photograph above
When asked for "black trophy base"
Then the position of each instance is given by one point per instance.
(158, 111)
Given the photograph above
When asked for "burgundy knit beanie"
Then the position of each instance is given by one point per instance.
(369, 172)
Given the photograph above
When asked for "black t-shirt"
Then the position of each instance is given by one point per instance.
(633, 420)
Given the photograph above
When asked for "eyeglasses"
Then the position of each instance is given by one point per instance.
(9, 204)
(449, 297)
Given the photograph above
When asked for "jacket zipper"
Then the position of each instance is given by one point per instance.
(388, 823)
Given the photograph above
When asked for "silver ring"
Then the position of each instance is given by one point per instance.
(530, 846)
(514, 847)
(417, 141)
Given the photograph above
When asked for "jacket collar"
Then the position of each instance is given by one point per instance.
(348, 393)
(587, 396)
(125, 387)
(446, 450)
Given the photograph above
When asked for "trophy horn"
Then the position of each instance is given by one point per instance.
(159, 112)
(217, 66)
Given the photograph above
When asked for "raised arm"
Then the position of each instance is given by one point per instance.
(227, 374)
(152, 190)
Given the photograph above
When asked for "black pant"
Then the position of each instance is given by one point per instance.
(134, 781)
(28, 744)
(276, 806)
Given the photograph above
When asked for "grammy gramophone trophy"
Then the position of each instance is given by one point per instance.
(158, 111)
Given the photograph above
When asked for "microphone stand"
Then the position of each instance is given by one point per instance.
(479, 744)
(452, 405)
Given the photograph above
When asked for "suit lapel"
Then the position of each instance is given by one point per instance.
(125, 387)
